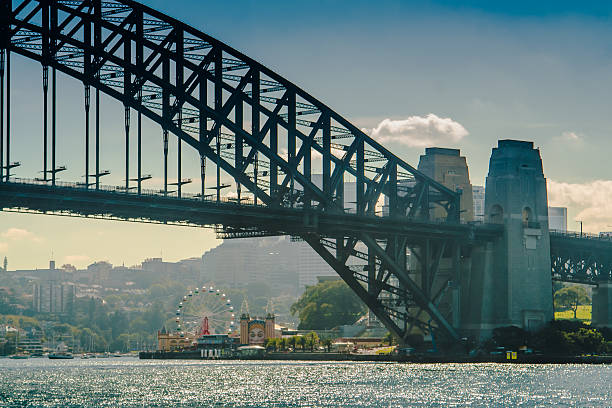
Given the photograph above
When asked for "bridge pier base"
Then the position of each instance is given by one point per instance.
(602, 305)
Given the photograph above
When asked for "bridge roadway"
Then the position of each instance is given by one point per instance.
(152, 206)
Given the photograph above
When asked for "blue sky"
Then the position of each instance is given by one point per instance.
(539, 71)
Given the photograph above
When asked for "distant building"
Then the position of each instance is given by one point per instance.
(557, 218)
(311, 267)
(99, 272)
(449, 168)
(478, 197)
(51, 295)
(168, 341)
(277, 261)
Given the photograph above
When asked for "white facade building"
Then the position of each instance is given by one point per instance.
(557, 218)
(478, 197)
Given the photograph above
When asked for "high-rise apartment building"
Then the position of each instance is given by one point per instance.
(276, 261)
(51, 295)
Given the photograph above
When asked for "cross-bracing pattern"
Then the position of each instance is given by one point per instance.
(268, 142)
(581, 258)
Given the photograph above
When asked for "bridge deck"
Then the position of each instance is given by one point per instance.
(580, 257)
(117, 203)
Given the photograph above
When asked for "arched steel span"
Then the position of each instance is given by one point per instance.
(205, 92)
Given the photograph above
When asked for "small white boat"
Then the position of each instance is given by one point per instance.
(61, 353)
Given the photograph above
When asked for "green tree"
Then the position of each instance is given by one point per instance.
(327, 305)
(154, 317)
(327, 343)
(302, 341)
(121, 343)
(571, 297)
(588, 341)
(271, 344)
(284, 343)
(119, 323)
(312, 339)
(292, 342)
(91, 308)
(389, 339)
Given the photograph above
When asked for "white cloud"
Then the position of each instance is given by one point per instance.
(3, 246)
(571, 137)
(419, 131)
(592, 202)
(18, 234)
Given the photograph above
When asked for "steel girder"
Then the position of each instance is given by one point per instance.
(380, 272)
(296, 152)
(581, 258)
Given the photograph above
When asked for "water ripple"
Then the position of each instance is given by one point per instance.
(128, 382)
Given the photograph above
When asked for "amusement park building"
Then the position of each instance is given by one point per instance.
(255, 332)
(168, 341)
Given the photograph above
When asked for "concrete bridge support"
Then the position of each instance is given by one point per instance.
(602, 305)
(509, 281)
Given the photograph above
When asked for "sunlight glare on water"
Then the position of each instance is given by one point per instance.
(128, 382)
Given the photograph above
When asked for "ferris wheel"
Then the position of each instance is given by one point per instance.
(205, 310)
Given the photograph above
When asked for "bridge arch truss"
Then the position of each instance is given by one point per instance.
(270, 144)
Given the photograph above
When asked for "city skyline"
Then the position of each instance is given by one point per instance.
(456, 76)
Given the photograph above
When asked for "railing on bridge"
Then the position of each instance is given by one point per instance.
(602, 236)
(132, 191)
(581, 257)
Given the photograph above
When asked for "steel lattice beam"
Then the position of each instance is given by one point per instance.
(581, 258)
(203, 91)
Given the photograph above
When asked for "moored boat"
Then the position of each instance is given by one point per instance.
(61, 353)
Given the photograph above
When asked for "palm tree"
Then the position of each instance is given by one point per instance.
(313, 340)
(302, 341)
(292, 342)
(309, 343)
(271, 344)
(327, 342)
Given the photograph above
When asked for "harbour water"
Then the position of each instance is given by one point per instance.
(129, 382)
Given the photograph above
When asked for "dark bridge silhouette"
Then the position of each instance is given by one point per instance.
(277, 160)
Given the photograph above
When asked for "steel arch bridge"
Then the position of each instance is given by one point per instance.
(282, 161)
